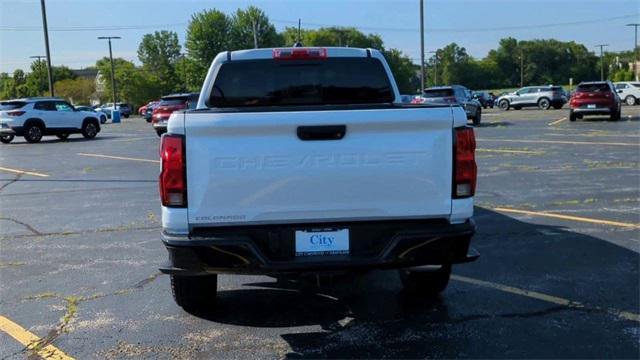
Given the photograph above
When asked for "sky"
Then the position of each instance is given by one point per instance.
(477, 25)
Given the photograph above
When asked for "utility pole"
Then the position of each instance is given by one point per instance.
(421, 47)
(521, 68)
(255, 35)
(39, 57)
(636, 59)
(46, 45)
(435, 68)
(113, 74)
(601, 46)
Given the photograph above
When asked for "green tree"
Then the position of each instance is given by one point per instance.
(242, 27)
(404, 71)
(159, 53)
(77, 91)
(7, 86)
(207, 35)
(133, 85)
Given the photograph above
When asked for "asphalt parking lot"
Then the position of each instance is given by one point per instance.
(558, 219)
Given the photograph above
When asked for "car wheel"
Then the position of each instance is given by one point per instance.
(62, 136)
(557, 107)
(478, 117)
(89, 129)
(544, 104)
(148, 120)
(103, 119)
(33, 133)
(126, 116)
(504, 105)
(572, 116)
(5, 139)
(160, 132)
(426, 282)
(615, 116)
(194, 293)
(630, 100)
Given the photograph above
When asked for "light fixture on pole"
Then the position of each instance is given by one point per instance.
(636, 58)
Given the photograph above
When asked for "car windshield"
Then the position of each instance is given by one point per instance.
(331, 81)
(437, 93)
(10, 105)
(593, 87)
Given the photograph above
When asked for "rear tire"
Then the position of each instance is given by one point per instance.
(615, 116)
(426, 282)
(5, 139)
(126, 116)
(90, 129)
(544, 104)
(194, 293)
(62, 136)
(33, 133)
(572, 116)
(103, 119)
(504, 105)
(478, 117)
(160, 132)
(557, 107)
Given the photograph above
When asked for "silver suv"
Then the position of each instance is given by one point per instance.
(543, 97)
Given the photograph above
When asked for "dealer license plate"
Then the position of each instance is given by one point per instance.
(322, 242)
(591, 106)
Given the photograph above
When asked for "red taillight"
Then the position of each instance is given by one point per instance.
(465, 172)
(15, 113)
(300, 53)
(173, 181)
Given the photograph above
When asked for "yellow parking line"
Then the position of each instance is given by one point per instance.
(120, 158)
(511, 151)
(562, 142)
(624, 315)
(568, 217)
(30, 340)
(557, 121)
(22, 172)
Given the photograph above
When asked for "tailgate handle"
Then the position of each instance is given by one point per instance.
(321, 132)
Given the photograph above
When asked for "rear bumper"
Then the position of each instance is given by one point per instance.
(270, 249)
(596, 111)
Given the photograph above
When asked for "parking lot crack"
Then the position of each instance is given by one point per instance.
(27, 226)
(10, 182)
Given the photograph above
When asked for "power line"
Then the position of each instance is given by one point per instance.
(311, 24)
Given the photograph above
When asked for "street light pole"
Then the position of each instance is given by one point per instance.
(39, 57)
(421, 47)
(601, 46)
(636, 59)
(521, 68)
(113, 74)
(46, 45)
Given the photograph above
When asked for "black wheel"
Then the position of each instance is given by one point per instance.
(544, 104)
(126, 116)
(615, 116)
(517, 107)
(33, 133)
(103, 119)
(478, 117)
(160, 132)
(5, 139)
(557, 106)
(426, 282)
(148, 120)
(90, 129)
(504, 105)
(194, 293)
(572, 116)
(630, 100)
(62, 136)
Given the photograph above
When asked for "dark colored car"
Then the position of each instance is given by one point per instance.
(147, 110)
(168, 104)
(454, 95)
(486, 99)
(595, 98)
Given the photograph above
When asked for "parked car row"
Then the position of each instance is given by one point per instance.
(168, 104)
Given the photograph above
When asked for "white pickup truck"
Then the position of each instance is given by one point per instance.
(304, 160)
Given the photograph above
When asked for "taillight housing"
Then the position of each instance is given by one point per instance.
(173, 174)
(465, 171)
(15, 113)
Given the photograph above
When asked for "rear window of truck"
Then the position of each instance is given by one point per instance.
(437, 93)
(332, 81)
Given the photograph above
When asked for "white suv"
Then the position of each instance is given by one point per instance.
(35, 117)
(629, 92)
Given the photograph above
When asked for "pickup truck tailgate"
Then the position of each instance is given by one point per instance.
(252, 167)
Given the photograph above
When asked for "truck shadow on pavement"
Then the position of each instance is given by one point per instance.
(367, 315)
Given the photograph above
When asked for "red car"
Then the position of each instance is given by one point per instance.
(169, 104)
(143, 109)
(595, 98)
